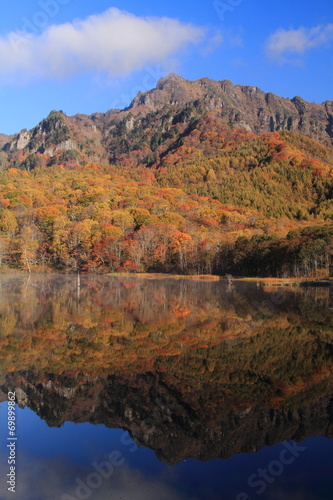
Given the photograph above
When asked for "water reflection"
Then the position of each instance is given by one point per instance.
(189, 368)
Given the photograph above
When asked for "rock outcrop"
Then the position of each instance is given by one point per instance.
(150, 121)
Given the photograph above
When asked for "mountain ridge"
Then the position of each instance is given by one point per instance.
(176, 173)
(226, 92)
(243, 107)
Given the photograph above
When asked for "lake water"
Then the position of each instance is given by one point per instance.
(129, 388)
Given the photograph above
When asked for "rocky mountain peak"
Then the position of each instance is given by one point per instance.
(169, 81)
(244, 106)
(104, 137)
(170, 90)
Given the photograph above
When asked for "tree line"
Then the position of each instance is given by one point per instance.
(92, 218)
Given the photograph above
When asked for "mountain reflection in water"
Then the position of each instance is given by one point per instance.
(189, 368)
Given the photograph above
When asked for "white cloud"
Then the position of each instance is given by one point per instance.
(295, 42)
(227, 37)
(114, 42)
(213, 43)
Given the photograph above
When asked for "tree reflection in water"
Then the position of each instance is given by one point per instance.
(189, 368)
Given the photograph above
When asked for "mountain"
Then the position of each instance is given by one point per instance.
(157, 119)
(4, 139)
(243, 106)
(180, 181)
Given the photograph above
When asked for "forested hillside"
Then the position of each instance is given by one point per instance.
(172, 184)
(92, 218)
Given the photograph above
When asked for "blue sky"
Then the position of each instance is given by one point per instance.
(86, 56)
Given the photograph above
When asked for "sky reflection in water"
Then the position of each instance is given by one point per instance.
(203, 375)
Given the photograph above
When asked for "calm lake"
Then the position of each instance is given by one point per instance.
(130, 388)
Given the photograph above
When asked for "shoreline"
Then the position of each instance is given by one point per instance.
(260, 281)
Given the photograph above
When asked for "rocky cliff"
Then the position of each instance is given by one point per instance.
(159, 118)
(243, 106)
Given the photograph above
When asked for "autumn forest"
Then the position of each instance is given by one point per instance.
(179, 189)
